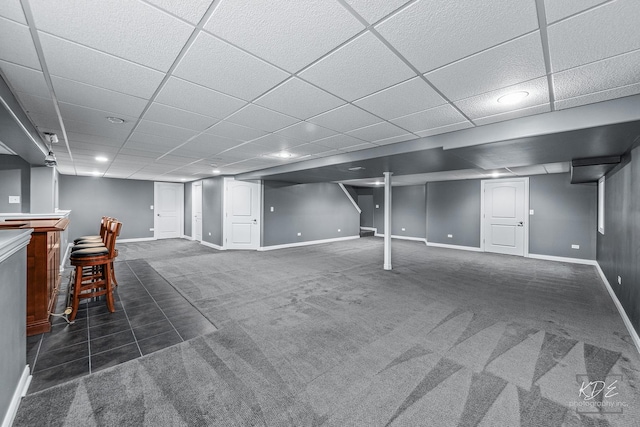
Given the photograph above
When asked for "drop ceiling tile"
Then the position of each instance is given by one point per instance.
(77, 93)
(340, 142)
(245, 151)
(487, 104)
(191, 11)
(198, 99)
(255, 116)
(109, 27)
(445, 129)
(23, 79)
(234, 131)
(85, 147)
(17, 45)
(374, 10)
(404, 98)
(604, 95)
(556, 10)
(605, 31)
(422, 32)
(289, 34)
(345, 118)
(93, 139)
(91, 127)
(159, 129)
(36, 104)
(86, 114)
(220, 66)
(360, 147)
(434, 117)
(523, 112)
(275, 142)
(298, 99)
(395, 139)
(310, 149)
(362, 66)
(45, 122)
(621, 70)
(157, 146)
(12, 9)
(377, 132)
(209, 144)
(510, 63)
(306, 131)
(161, 113)
(75, 62)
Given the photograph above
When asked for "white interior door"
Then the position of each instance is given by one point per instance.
(168, 201)
(242, 218)
(504, 216)
(196, 207)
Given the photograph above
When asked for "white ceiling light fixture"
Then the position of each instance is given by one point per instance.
(216, 171)
(356, 168)
(116, 120)
(283, 155)
(101, 159)
(513, 97)
(495, 174)
(96, 173)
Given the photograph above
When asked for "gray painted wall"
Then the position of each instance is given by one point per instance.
(619, 248)
(365, 202)
(8, 162)
(13, 312)
(564, 214)
(408, 210)
(212, 215)
(188, 207)
(44, 189)
(90, 198)
(453, 207)
(10, 185)
(316, 211)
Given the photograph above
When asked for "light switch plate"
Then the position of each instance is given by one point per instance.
(377, 206)
(450, 236)
(530, 211)
(14, 199)
(151, 207)
(575, 246)
(271, 208)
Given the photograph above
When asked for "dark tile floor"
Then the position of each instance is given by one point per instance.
(150, 315)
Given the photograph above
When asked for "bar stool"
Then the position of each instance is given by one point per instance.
(93, 270)
(87, 242)
(96, 238)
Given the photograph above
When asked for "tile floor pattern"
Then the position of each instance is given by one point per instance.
(150, 315)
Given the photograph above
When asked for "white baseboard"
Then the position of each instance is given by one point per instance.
(140, 239)
(459, 247)
(564, 259)
(369, 229)
(66, 254)
(311, 242)
(19, 393)
(627, 322)
(184, 236)
(394, 236)
(211, 245)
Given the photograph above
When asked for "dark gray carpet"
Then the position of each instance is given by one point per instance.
(323, 336)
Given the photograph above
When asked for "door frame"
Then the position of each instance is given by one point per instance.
(180, 210)
(526, 210)
(193, 211)
(225, 204)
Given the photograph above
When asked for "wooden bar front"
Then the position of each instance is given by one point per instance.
(43, 269)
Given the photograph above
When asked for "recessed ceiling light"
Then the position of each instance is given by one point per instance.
(101, 159)
(495, 174)
(183, 179)
(513, 97)
(216, 171)
(356, 168)
(116, 120)
(96, 173)
(283, 155)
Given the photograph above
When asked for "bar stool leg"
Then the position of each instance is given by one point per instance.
(77, 283)
(107, 280)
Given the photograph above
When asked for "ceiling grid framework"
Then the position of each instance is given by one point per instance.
(249, 86)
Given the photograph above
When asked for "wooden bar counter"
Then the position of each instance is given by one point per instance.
(43, 268)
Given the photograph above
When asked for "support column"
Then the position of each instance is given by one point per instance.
(387, 220)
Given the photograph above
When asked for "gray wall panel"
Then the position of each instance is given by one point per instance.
(453, 207)
(409, 211)
(212, 197)
(187, 209)
(365, 202)
(564, 214)
(90, 198)
(10, 185)
(619, 248)
(8, 162)
(316, 211)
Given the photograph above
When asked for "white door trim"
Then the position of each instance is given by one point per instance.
(180, 208)
(526, 210)
(193, 211)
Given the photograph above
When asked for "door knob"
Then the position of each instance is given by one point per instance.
(520, 224)
(255, 221)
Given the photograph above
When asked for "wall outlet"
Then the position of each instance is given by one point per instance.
(530, 211)
(209, 233)
(619, 280)
(151, 229)
(151, 207)
(377, 206)
(404, 229)
(575, 246)
(14, 199)
(299, 234)
(450, 236)
(271, 208)
(338, 230)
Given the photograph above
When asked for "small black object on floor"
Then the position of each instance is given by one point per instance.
(150, 315)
